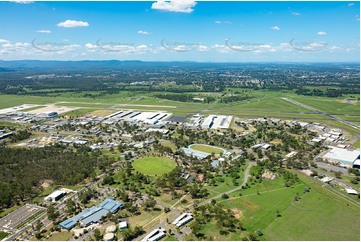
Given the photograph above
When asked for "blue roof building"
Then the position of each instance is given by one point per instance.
(93, 214)
(68, 224)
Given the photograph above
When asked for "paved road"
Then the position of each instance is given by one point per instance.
(322, 113)
(245, 179)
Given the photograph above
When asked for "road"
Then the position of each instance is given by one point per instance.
(245, 179)
(322, 113)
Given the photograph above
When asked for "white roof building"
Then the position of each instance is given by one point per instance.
(54, 196)
(123, 225)
(351, 191)
(345, 156)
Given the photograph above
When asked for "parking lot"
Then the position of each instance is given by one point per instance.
(15, 220)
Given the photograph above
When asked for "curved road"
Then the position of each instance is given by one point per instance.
(245, 179)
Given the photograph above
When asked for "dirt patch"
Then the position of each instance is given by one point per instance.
(237, 213)
(46, 183)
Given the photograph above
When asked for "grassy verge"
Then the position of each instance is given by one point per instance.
(3, 235)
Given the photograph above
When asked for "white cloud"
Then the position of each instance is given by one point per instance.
(143, 32)
(90, 46)
(296, 13)
(222, 22)
(4, 41)
(321, 33)
(73, 24)
(44, 31)
(203, 48)
(181, 6)
(22, 1)
(357, 17)
(350, 4)
(275, 28)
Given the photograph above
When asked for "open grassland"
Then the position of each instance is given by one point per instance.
(207, 148)
(154, 165)
(316, 216)
(329, 105)
(145, 219)
(264, 103)
(212, 232)
(61, 236)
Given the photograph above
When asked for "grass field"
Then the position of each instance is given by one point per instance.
(61, 236)
(151, 165)
(318, 215)
(144, 218)
(207, 148)
(315, 217)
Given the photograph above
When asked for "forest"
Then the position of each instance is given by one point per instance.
(62, 165)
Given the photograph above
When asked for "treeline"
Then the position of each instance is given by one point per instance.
(328, 92)
(184, 98)
(231, 99)
(21, 170)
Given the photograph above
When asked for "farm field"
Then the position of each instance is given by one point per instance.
(154, 165)
(206, 148)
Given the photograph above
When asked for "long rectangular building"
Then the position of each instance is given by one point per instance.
(155, 235)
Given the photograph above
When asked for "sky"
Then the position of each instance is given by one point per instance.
(181, 30)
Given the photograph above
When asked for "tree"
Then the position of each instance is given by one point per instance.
(52, 213)
(38, 225)
(108, 180)
(150, 204)
(97, 235)
(225, 196)
(338, 174)
(38, 235)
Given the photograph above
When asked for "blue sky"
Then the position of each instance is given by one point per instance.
(181, 30)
